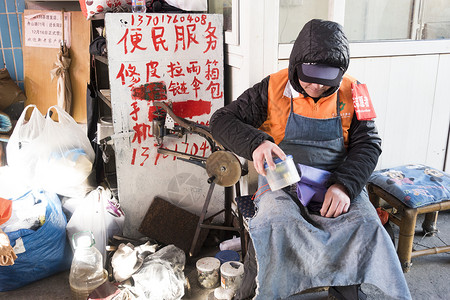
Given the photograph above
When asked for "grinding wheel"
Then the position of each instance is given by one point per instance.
(225, 167)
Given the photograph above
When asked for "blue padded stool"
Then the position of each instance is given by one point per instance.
(411, 190)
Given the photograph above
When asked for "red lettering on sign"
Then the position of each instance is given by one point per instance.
(214, 88)
(157, 38)
(135, 39)
(211, 39)
(151, 70)
(191, 108)
(133, 114)
(182, 33)
(178, 88)
(150, 91)
(196, 85)
(194, 68)
(141, 132)
(175, 70)
(212, 72)
(129, 72)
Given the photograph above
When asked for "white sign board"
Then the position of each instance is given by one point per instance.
(162, 57)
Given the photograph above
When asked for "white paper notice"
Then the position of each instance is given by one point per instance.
(45, 29)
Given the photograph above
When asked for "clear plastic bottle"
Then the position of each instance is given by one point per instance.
(138, 6)
(86, 271)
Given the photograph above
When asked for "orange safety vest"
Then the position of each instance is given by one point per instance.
(279, 106)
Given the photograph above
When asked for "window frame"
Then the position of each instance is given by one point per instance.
(413, 46)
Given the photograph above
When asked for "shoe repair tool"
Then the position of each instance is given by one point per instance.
(222, 166)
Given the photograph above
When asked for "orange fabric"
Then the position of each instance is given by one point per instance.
(279, 106)
(5, 210)
(383, 215)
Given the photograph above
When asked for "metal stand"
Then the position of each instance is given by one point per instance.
(222, 167)
(228, 213)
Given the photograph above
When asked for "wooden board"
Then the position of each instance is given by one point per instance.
(38, 62)
(169, 224)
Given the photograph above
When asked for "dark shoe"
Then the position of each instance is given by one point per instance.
(352, 292)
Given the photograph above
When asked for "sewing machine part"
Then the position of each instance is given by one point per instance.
(170, 123)
(224, 168)
(177, 126)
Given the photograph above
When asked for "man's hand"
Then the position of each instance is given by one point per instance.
(265, 151)
(336, 201)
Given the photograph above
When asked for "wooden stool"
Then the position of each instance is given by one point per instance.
(411, 190)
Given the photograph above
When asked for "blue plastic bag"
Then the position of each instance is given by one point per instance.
(46, 251)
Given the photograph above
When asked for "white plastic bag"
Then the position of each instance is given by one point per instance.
(64, 156)
(100, 213)
(161, 276)
(20, 150)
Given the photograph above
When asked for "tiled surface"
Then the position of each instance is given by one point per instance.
(11, 12)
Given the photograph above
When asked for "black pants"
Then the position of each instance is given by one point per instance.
(248, 286)
(351, 292)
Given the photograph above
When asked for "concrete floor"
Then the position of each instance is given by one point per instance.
(428, 279)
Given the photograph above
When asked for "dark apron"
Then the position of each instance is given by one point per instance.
(317, 143)
(297, 250)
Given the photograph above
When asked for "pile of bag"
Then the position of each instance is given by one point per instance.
(149, 273)
(48, 159)
(40, 244)
(55, 156)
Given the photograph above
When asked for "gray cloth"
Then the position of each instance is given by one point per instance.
(297, 250)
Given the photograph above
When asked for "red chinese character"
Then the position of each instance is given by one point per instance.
(150, 91)
(129, 72)
(151, 70)
(175, 70)
(179, 33)
(179, 37)
(134, 80)
(214, 87)
(121, 74)
(124, 40)
(157, 34)
(136, 38)
(191, 36)
(211, 72)
(211, 39)
(177, 88)
(194, 68)
(141, 132)
(136, 108)
(196, 85)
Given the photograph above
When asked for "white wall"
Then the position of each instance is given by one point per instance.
(413, 113)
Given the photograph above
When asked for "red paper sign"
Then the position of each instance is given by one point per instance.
(361, 102)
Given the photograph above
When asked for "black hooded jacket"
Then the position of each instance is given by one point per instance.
(321, 42)
(236, 125)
